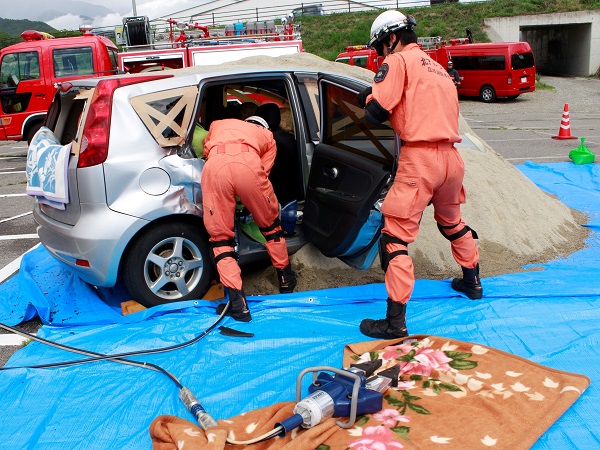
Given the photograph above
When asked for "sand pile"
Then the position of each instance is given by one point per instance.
(517, 223)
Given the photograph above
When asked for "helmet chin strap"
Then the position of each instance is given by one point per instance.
(391, 50)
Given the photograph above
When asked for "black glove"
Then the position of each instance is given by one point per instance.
(361, 97)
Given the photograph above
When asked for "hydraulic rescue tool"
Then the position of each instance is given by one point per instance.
(348, 393)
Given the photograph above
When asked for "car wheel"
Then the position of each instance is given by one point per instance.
(487, 94)
(169, 263)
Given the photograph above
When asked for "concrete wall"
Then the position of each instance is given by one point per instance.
(563, 43)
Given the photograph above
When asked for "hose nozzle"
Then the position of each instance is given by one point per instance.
(193, 405)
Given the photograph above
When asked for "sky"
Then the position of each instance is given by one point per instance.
(150, 8)
(124, 8)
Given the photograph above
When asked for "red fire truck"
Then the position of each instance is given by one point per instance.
(216, 46)
(30, 71)
(487, 70)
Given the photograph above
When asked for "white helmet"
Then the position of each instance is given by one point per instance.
(389, 22)
(258, 121)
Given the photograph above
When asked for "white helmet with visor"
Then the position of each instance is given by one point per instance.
(258, 121)
(387, 23)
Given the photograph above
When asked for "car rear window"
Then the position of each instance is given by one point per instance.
(65, 115)
(167, 114)
(522, 60)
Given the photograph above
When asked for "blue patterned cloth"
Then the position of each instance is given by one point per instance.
(47, 169)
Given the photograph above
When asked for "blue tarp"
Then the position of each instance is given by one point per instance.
(549, 314)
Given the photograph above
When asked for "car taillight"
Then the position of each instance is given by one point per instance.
(96, 131)
(65, 86)
(509, 78)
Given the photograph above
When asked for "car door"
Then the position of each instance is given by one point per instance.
(350, 169)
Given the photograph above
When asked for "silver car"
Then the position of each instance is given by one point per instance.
(134, 211)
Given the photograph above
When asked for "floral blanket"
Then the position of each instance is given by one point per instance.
(449, 394)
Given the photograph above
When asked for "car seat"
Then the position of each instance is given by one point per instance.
(286, 166)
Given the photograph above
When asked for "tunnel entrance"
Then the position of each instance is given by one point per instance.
(559, 50)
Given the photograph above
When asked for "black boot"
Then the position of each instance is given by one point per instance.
(238, 307)
(470, 283)
(287, 279)
(393, 326)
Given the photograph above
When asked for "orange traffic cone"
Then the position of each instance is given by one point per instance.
(565, 126)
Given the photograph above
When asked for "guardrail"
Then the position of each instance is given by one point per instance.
(209, 15)
(219, 15)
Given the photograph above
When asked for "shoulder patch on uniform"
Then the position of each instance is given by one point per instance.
(381, 73)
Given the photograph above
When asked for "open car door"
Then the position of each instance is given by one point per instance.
(350, 170)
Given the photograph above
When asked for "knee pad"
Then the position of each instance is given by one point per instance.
(224, 243)
(458, 234)
(384, 256)
(272, 236)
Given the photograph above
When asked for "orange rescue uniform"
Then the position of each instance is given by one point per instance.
(423, 104)
(239, 157)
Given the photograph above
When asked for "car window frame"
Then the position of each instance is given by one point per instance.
(385, 156)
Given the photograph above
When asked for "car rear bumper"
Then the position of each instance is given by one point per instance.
(98, 238)
(515, 90)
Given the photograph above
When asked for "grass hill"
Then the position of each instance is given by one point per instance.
(16, 27)
(10, 30)
(326, 36)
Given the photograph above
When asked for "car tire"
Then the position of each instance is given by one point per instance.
(169, 263)
(487, 94)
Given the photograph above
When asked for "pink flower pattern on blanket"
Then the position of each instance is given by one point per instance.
(420, 366)
(390, 417)
(423, 360)
(376, 438)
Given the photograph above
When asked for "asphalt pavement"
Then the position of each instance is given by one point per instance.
(17, 229)
(519, 130)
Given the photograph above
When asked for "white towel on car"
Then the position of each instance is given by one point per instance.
(47, 167)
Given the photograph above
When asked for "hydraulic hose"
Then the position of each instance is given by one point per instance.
(185, 395)
(190, 401)
(99, 356)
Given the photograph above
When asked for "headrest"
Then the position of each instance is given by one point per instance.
(271, 113)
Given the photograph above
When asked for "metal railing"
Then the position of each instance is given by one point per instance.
(214, 16)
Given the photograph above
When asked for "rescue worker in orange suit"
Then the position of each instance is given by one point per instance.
(419, 98)
(239, 156)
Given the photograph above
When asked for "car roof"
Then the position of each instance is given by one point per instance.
(235, 68)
